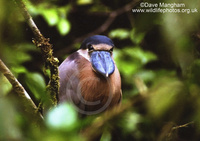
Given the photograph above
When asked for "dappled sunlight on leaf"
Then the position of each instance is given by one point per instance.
(146, 75)
(63, 117)
(55, 16)
(83, 2)
(51, 16)
(131, 123)
(130, 59)
(63, 26)
(120, 34)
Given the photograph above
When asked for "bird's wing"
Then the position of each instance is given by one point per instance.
(69, 80)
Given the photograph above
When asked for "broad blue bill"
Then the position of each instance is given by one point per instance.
(102, 62)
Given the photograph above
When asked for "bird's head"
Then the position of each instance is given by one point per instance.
(98, 50)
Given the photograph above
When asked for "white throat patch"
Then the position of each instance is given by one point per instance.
(84, 53)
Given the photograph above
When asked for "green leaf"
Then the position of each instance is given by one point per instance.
(146, 75)
(141, 55)
(51, 16)
(31, 8)
(18, 69)
(63, 26)
(55, 16)
(164, 95)
(120, 33)
(16, 55)
(132, 119)
(5, 85)
(63, 117)
(36, 84)
(136, 37)
(84, 2)
(106, 136)
(125, 64)
(130, 59)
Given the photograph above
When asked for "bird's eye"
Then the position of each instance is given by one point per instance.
(90, 47)
(111, 50)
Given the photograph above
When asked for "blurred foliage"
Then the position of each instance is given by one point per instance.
(160, 50)
(54, 16)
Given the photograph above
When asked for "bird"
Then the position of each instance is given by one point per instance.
(89, 77)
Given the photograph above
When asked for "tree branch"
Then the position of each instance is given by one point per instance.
(111, 17)
(29, 20)
(46, 48)
(169, 130)
(18, 88)
(96, 129)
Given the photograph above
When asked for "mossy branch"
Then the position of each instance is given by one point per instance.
(19, 89)
(46, 48)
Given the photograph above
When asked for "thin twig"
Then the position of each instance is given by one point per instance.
(46, 48)
(169, 131)
(18, 88)
(112, 16)
(181, 126)
(141, 86)
(174, 129)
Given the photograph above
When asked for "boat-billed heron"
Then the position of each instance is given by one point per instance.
(89, 77)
